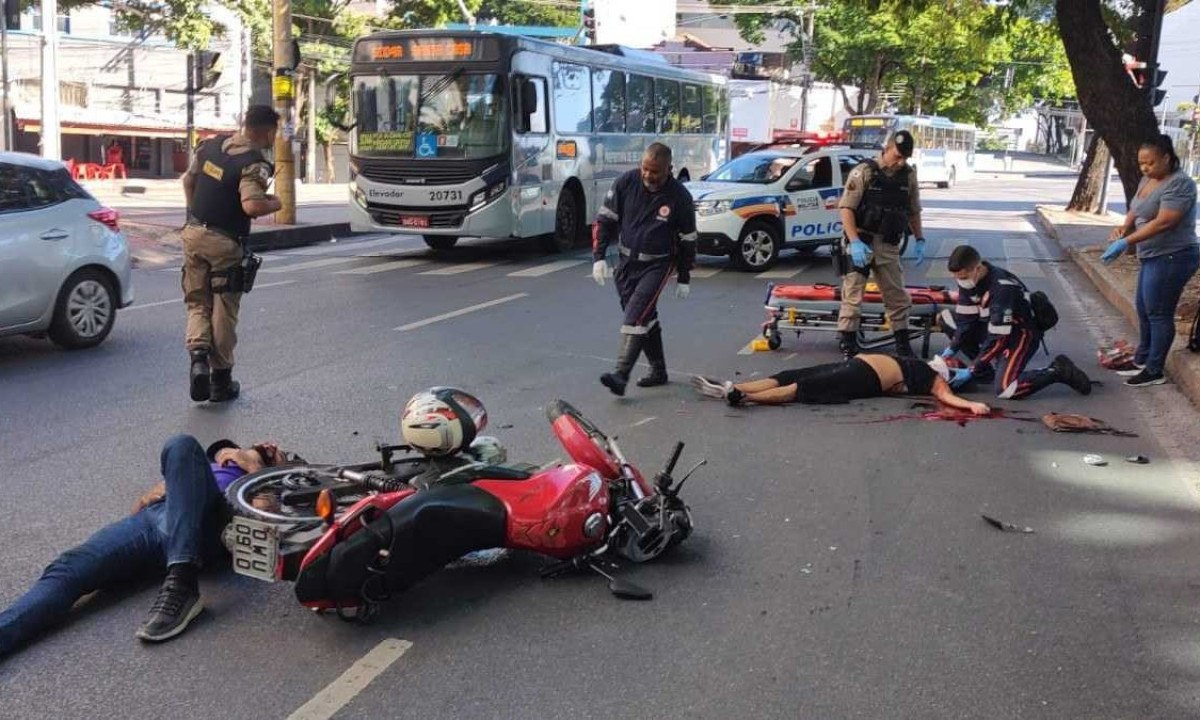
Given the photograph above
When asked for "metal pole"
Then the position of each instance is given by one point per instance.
(191, 106)
(284, 93)
(9, 144)
(51, 132)
(310, 159)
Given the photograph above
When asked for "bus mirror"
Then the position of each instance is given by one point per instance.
(529, 97)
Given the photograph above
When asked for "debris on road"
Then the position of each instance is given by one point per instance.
(1006, 526)
(1096, 460)
(1138, 459)
(1070, 423)
(1118, 356)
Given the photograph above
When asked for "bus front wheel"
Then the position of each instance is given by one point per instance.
(440, 243)
(569, 222)
(949, 183)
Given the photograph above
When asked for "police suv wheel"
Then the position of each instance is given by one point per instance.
(757, 247)
(85, 311)
(440, 243)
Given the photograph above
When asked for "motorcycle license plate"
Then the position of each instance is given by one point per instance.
(255, 548)
(417, 221)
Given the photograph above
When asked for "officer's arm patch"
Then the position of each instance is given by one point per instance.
(213, 170)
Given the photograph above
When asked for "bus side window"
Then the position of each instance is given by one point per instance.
(640, 92)
(530, 108)
(666, 99)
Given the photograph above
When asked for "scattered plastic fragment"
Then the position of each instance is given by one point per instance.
(1138, 459)
(1005, 526)
(1096, 460)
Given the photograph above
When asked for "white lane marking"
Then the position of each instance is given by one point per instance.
(344, 246)
(309, 265)
(337, 694)
(459, 269)
(382, 267)
(547, 268)
(463, 311)
(774, 274)
(643, 421)
(257, 286)
(706, 272)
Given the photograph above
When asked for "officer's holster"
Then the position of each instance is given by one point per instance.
(239, 278)
(843, 262)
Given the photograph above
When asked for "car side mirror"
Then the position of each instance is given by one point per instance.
(704, 177)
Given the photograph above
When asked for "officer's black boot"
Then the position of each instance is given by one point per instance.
(199, 375)
(631, 348)
(848, 343)
(1070, 374)
(658, 360)
(903, 346)
(224, 387)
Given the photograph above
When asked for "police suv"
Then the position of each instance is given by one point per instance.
(755, 205)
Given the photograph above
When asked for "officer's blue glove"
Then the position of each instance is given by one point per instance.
(961, 377)
(948, 353)
(859, 253)
(1114, 251)
(919, 252)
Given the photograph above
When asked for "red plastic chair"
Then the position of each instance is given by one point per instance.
(111, 170)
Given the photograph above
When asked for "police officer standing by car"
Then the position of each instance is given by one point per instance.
(651, 218)
(880, 203)
(225, 188)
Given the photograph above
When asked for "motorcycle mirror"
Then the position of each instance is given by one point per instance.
(627, 590)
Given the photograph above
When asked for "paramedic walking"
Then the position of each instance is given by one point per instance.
(225, 187)
(651, 219)
(1161, 225)
(880, 203)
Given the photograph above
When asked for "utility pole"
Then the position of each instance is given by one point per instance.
(284, 93)
(51, 137)
(807, 20)
(191, 105)
(8, 128)
(310, 158)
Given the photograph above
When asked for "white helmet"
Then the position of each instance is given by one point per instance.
(442, 420)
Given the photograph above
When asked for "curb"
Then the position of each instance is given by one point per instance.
(1182, 367)
(296, 236)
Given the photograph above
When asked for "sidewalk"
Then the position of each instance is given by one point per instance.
(152, 214)
(1084, 236)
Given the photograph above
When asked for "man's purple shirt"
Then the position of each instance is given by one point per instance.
(226, 475)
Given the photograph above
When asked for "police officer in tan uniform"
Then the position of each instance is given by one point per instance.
(880, 203)
(225, 188)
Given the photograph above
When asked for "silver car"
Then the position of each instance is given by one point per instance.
(64, 264)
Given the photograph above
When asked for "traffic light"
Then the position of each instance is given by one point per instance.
(589, 23)
(208, 69)
(1156, 77)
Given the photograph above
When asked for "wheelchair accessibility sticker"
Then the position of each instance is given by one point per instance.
(427, 145)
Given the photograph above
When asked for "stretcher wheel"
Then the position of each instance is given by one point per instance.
(774, 340)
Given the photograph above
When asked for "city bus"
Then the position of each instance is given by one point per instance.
(944, 151)
(476, 134)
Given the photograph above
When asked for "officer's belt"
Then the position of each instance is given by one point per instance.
(213, 228)
(641, 257)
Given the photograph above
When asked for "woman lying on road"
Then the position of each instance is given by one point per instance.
(862, 376)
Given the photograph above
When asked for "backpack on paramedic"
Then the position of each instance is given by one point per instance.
(1045, 315)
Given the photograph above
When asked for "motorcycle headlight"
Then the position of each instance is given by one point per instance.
(713, 207)
(485, 196)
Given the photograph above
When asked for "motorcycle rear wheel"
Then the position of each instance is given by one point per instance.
(274, 482)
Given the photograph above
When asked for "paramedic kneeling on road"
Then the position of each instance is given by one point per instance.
(880, 204)
(863, 376)
(993, 322)
(652, 219)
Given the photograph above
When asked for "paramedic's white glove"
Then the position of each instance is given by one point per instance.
(682, 290)
(600, 271)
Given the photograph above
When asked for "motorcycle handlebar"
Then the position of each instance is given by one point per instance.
(674, 458)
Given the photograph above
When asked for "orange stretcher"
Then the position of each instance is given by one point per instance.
(815, 307)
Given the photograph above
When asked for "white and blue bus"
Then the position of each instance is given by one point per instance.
(475, 134)
(944, 151)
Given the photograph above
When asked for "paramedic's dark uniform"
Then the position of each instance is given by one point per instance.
(655, 235)
(994, 324)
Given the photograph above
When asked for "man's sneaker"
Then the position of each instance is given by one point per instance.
(1146, 379)
(1132, 371)
(177, 604)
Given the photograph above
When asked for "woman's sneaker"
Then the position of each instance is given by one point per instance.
(711, 388)
(1146, 379)
(1133, 370)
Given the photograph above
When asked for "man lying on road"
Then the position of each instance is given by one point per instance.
(862, 376)
(177, 524)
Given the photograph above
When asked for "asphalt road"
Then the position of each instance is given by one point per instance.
(840, 568)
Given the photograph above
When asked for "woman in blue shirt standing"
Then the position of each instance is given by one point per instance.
(1161, 226)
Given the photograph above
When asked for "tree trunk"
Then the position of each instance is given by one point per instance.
(1092, 175)
(1118, 112)
(329, 169)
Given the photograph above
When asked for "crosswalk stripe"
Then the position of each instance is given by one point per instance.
(547, 268)
(309, 265)
(705, 272)
(459, 269)
(779, 274)
(382, 267)
(344, 246)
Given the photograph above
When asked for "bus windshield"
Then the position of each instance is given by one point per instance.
(867, 136)
(430, 116)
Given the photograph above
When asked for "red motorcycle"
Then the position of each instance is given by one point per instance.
(352, 536)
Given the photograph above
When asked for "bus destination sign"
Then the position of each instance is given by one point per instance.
(425, 49)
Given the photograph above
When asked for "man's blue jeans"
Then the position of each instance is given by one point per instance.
(185, 527)
(1160, 283)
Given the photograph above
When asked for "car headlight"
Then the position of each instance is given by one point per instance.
(485, 196)
(360, 197)
(713, 207)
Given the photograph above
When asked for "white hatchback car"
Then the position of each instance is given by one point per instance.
(757, 204)
(64, 264)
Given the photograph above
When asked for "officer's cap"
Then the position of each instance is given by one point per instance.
(904, 142)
